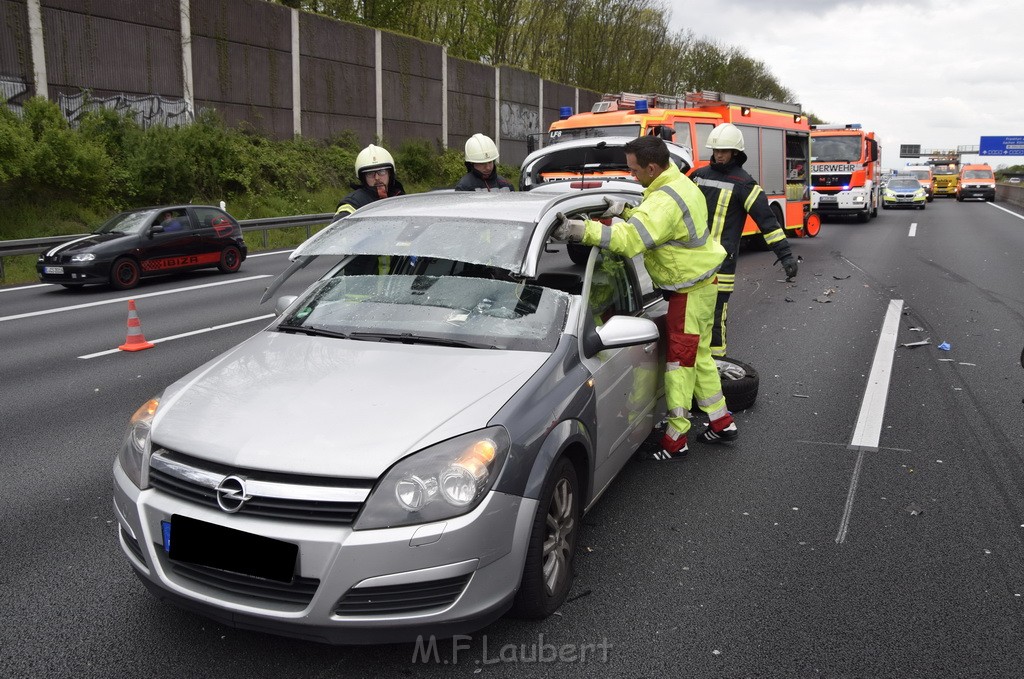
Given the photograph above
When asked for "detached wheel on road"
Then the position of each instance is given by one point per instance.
(230, 260)
(548, 574)
(124, 274)
(740, 394)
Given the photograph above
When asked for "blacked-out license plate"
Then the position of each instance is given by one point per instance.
(207, 544)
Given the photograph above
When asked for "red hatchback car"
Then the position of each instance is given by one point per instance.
(147, 242)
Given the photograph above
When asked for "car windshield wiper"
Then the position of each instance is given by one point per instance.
(412, 338)
(312, 332)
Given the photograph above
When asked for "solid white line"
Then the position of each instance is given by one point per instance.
(28, 287)
(120, 300)
(1009, 212)
(913, 229)
(186, 334)
(868, 430)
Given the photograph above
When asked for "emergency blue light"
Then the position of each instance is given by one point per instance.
(564, 112)
(640, 106)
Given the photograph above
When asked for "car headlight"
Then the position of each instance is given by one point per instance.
(858, 199)
(137, 443)
(920, 193)
(888, 193)
(83, 257)
(440, 482)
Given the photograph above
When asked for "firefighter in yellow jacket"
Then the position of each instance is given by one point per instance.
(670, 228)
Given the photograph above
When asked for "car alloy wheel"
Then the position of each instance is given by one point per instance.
(230, 260)
(548, 572)
(124, 274)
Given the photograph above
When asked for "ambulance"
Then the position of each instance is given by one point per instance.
(776, 136)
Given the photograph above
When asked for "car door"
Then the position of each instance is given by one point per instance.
(169, 247)
(213, 232)
(626, 378)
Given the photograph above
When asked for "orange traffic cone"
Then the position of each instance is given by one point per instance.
(135, 340)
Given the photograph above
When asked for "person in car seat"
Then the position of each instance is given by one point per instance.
(170, 222)
(481, 165)
(670, 228)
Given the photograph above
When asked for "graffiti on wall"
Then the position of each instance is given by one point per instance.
(518, 120)
(147, 110)
(14, 91)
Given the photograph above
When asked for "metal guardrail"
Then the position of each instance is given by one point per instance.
(31, 246)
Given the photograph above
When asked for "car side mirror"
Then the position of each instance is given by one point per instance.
(156, 228)
(619, 331)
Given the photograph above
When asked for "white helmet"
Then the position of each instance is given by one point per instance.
(726, 136)
(480, 149)
(374, 158)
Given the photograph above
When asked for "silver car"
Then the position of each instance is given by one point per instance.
(408, 448)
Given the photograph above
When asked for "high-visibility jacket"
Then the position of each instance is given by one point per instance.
(670, 228)
(364, 195)
(731, 195)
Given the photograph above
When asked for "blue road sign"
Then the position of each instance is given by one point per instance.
(1001, 146)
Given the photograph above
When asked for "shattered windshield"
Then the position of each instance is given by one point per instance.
(495, 243)
(445, 310)
(825, 149)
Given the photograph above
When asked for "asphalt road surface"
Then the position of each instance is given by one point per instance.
(868, 522)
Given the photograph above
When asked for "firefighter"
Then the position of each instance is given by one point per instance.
(670, 228)
(731, 195)
(375, 170)
(481, 167)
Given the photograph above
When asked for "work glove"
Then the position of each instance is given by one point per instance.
(568, 230)
(614, 207)
(789, 264)
(730, 371)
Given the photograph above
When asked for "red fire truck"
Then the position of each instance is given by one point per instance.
(845, 171)
(776, 136)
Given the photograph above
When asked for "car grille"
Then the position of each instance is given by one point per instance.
(281, 496)
(397, 599)
(299, 591)
(831, 179)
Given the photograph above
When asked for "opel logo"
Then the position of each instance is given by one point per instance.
(231, 494)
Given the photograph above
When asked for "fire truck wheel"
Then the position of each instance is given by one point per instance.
(578, 253)
(740, 394)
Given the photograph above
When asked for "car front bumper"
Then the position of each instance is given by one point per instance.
(351, 586)
(898, 202)
(74, 273)
(985, 192)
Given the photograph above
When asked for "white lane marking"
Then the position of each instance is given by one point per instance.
(187, 334)
(121, 300)
(868, 429)
(270, 252)
(913, 230)
(28, 287)
(1009, 212)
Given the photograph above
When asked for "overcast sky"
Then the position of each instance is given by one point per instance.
(939, 73)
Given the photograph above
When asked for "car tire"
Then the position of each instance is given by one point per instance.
(230, 259)
(124, 274)
(864, 217)
(578, 253)
(740, 394)
(548, 571)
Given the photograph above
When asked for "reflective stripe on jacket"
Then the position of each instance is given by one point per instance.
(670, 228)
(731, 195)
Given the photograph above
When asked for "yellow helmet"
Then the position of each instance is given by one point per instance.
(480, 149)
(374, 158)
(726, 136)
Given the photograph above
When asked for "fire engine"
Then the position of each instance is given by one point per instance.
(845, 171)
(776, 136)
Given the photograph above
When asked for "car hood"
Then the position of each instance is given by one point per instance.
(93, 242)
(333, 407)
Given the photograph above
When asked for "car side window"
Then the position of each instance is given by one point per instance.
(210, 217)
(612, 291)
(172, 220)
